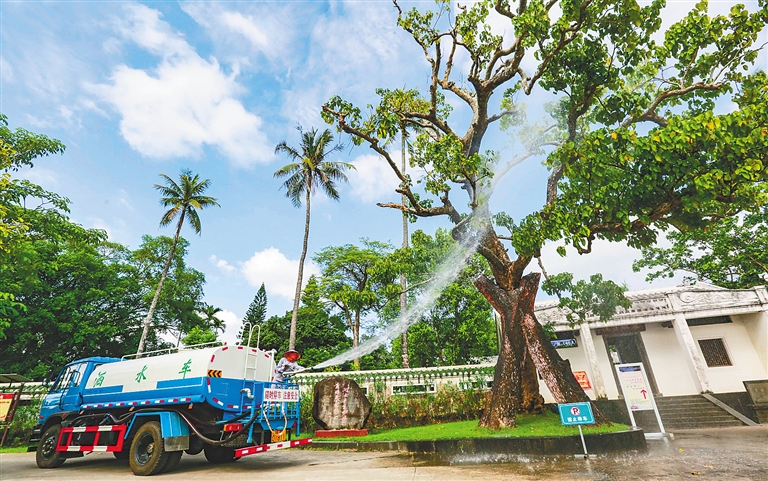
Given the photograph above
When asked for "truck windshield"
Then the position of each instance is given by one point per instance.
(65, 379)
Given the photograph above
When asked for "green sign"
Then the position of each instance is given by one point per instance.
(185, 369)
(140, 376)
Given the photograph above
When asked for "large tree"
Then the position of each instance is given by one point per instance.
(18, 149)
(180, 306)
(254, 316)
(310, 169)
(732, 253)
(183, 200)
(634, 142)
(358, 281)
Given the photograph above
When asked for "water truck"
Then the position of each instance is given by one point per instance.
(149, 410)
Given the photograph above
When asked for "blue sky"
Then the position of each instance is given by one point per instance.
(138, 89)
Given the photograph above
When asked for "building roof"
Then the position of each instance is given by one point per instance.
(659, 305)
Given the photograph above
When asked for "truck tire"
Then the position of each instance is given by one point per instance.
(219, 454)
(147, 454)
(196, 446)
(46, 456)
(173, 460)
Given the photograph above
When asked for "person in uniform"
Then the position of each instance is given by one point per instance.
(287, 364)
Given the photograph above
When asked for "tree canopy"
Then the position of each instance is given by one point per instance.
(732, 253)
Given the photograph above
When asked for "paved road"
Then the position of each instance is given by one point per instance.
(703, 454)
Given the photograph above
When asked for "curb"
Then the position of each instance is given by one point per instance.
(603, 443)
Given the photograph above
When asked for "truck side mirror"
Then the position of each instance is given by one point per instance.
(50, 375)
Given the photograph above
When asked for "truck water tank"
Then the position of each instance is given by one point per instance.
(172, 375)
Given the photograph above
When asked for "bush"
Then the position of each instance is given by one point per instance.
(23, 422)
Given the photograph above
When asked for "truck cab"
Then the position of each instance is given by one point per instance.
(66, 394)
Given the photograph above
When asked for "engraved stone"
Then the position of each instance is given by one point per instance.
(340, 404)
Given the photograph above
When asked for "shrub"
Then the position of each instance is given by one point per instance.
(23, 422)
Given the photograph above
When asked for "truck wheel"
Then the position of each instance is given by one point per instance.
(196, 445)
(173, 460)
(121, 455)
(219, 454)
(148, 456)
(46, 456)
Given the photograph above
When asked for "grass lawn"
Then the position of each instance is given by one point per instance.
(544, 425)
(16, 449)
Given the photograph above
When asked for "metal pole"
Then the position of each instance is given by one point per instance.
(583, 444)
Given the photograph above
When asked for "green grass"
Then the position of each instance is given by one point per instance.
(546, 425)
(14, 449)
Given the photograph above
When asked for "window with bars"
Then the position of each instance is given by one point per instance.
(714, 352)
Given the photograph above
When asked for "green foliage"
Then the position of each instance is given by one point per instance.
(21, 147)
(184, 199)
(594, 298)
(24, 420)
(731, 253)
(255, 315)
(199, 335)
(357, 280)
(459, 327)
(311, 168)
(83, 297)
(180, 304)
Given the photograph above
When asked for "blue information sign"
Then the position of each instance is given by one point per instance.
(576, 413)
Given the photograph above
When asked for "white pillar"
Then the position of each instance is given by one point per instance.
(598, 386)
(688, 345)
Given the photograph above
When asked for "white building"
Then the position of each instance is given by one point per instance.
(691, 339)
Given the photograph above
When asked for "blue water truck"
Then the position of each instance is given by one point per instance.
(220, 401)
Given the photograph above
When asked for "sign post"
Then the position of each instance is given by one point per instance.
(637, 393)
(576, 414)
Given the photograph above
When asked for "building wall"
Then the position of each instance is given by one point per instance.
(756, 325)
(667, 360)
(746, 362)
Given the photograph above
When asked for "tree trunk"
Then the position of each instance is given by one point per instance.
(297, 297)
(531, 400)
(403, 281)
(148, 319)
(508, 397)
(555, 371)
(356, 339)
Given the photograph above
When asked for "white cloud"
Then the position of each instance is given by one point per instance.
(611, 259)
(116, 229)
(277, 272)
(374, 180)
(232, 325)
(6, 71)
(183, 104)
(221, 264)
(266, 29)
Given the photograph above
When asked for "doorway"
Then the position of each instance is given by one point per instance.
(627, 348)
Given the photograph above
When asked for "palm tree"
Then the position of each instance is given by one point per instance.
(208, 315)
(184, 199)
(309, 170)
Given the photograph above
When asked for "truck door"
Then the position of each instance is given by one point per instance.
(65, 392)
(72, 394)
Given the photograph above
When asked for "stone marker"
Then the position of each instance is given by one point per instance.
(339, 405)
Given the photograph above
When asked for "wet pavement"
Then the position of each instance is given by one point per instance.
(703, 454)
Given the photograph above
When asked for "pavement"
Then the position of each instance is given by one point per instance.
(739, 453)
